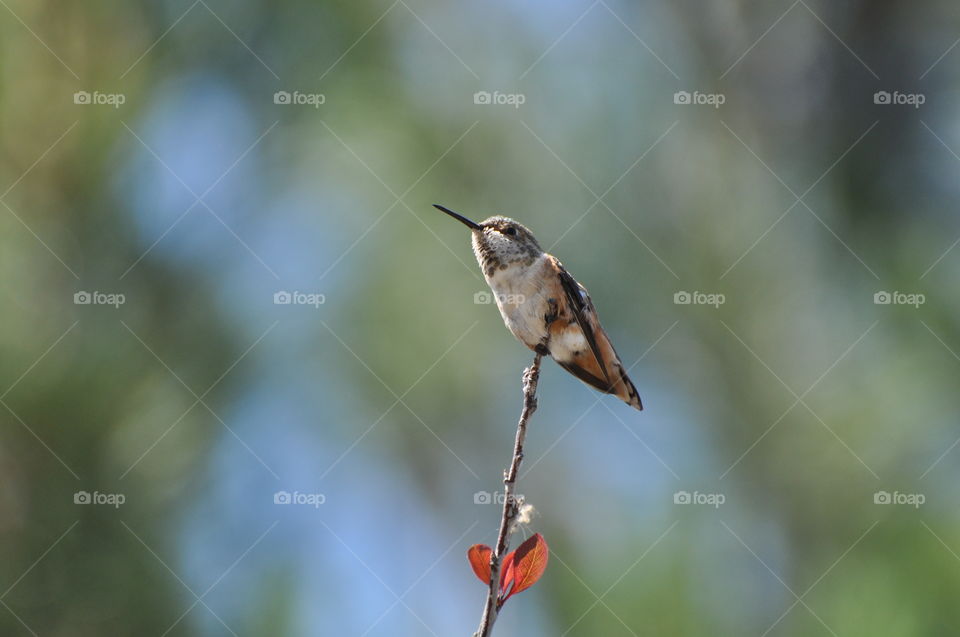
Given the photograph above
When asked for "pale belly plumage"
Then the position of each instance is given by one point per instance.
(525, 295)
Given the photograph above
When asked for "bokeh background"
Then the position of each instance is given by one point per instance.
(788, 414)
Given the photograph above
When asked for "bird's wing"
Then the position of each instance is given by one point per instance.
(585, 315)
(591, 369)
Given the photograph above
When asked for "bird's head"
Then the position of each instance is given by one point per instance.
(499, 241)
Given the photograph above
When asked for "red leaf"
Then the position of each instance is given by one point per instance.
(504, 571)
(506, 578)
(479, 556)
(506, 575)
(524, 566)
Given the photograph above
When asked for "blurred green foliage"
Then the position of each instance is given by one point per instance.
(798, 399)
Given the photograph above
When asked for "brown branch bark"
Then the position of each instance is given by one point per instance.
(511, 508)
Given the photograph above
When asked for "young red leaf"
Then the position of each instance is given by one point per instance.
(505, 573)
(525, 566)
(506, 578)
(479, 556)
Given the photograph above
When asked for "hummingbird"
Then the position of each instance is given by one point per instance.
(544, 307)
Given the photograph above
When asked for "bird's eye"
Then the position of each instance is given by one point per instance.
(511, 231)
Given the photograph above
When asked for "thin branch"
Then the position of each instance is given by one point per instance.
(511, 507)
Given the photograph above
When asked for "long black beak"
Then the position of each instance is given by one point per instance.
(460, 218)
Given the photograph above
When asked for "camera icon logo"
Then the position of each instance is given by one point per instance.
(882, 298)
(682, 298)
(282, 497)
(882, 497)
(81, 497)
(681, 497)
(281, 97)
(482, 97)
(482, 497)
(483, 298)
(282, 298)
(881, 97)
(82, 298)
(81, 97)
(681, 97)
